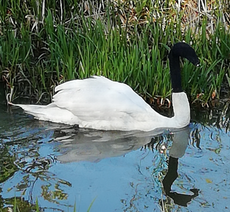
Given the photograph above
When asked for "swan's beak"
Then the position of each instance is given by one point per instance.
(197, 64)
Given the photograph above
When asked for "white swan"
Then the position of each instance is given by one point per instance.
(103, 104)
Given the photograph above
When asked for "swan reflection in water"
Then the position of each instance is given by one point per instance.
(179, 145)
(93, 145)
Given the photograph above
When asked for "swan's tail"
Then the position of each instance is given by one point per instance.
(49, 113)
(38, 111)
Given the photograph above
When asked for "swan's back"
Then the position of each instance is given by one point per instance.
(102, 104)
(98, 94)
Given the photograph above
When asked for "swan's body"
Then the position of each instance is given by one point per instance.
(100, 103)
(103, 104)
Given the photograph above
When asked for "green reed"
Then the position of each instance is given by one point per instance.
(41, 46)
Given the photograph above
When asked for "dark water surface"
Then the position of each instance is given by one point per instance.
(64, 168)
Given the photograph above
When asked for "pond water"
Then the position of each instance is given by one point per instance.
(63, 168)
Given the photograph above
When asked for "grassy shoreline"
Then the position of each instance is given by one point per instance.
(43, 45)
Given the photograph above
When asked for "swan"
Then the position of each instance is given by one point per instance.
(102, 104)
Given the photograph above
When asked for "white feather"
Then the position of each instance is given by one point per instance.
(100, 103)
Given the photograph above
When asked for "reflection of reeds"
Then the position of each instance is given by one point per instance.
(217, 115)
(45, 43)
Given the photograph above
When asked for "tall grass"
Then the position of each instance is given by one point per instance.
(43, 44)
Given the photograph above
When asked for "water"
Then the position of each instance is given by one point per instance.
(67, 169)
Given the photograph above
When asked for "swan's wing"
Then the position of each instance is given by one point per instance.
(99, 98)
(97, 103)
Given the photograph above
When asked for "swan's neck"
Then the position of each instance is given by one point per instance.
(181, 118)
(181, 109)
(174, 64)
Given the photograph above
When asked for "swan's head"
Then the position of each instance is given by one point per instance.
(186, 51)
(180, 50)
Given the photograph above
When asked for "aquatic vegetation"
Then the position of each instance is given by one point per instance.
(45, 44)
(7, 166)
(18, 204)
